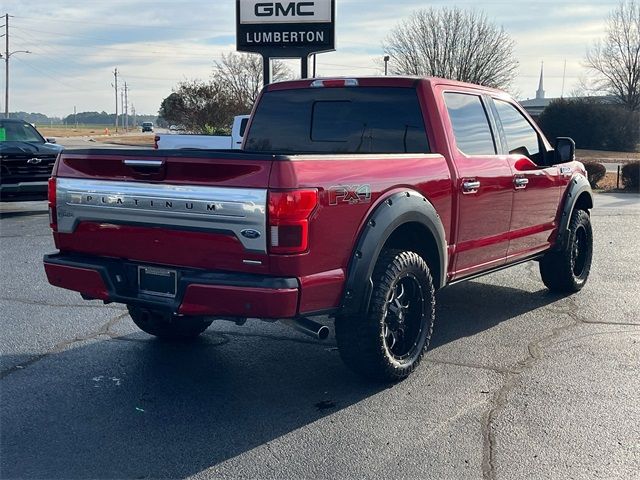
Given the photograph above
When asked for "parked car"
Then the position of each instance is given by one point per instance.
(177, 129)
(176, 140)
(354, 198)
(147, 126)
(26, 161)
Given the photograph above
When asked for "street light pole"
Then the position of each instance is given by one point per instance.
(7, 54)
(386, 61)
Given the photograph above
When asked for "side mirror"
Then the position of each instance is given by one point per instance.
(50, 140)
(565, 150)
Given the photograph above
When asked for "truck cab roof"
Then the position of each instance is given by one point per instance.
(403, 81)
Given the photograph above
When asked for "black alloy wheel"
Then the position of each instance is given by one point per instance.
(404, 309)
(566, 270)
(387, 342)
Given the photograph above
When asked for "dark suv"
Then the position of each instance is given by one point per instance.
(26, 161)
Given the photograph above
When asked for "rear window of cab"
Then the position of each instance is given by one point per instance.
(338, 120)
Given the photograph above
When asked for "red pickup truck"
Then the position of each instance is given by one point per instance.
(355, 198)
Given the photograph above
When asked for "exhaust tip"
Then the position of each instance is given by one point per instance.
(308, 327)
(323, 333)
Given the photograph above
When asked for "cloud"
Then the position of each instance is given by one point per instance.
(155, 44)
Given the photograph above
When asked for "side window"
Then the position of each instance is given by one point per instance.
(470, 124)
(243, 126)
(520, 135)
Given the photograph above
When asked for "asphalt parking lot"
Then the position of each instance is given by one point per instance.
(519, 383)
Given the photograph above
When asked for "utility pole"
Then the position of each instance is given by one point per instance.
(126, 107)
(122, 105)
(122, 109)
(115, 85)
(133, 110)
(6, 67)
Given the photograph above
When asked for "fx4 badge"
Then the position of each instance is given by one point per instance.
(351, 194)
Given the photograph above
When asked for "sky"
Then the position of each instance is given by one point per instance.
(75, 46)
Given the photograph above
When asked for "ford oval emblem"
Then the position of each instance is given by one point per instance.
(250, 233)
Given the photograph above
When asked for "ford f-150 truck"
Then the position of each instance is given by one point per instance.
(355, 198)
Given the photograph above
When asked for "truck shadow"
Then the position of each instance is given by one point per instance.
(136, 407)
(472, 307)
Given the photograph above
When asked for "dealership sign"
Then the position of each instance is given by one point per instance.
(285, 28)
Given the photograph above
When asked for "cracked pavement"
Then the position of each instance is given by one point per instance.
(519, 383)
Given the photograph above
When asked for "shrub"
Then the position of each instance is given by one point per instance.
(592, 124)
(631, 176)
(595, 172)
(211, 130)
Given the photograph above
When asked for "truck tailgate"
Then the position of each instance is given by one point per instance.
(202, 209)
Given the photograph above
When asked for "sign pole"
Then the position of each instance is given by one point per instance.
(266, 70)
(285, 29)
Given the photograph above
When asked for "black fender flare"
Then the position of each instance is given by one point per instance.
(396, 210)
(579, 185)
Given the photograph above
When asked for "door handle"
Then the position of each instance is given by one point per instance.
(520, 182)
(470, 186)
(566, 171)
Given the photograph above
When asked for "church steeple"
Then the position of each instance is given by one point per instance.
(540, 92)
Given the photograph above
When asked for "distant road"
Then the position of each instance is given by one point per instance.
(86, 142)
(611, 160)
(89, 142)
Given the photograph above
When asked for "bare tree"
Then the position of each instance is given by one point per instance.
(616, 59)
(240, 75)
(452, 43)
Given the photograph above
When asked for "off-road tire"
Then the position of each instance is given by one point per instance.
(567, 270)
(167, 327)
(363, 340)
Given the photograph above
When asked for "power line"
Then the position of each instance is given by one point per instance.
(44, 56)
(57, 80)
(125, 50)
(107, 24)
(46, 53)
(77, 35)
(95, 38)
(162, 52)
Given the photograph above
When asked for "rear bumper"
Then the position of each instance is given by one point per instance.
(214, 294)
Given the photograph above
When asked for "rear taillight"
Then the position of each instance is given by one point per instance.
(156, 139)
(289, 212)
(51, 195)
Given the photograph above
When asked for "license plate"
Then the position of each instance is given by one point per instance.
(157, 281)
